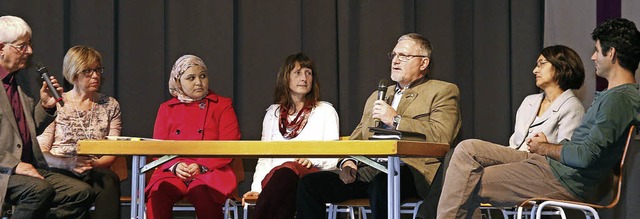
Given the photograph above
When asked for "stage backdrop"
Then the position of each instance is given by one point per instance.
(487, 48)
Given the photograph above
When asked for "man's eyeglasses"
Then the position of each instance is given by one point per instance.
(403, 57)
(89, 72)
(22, 47)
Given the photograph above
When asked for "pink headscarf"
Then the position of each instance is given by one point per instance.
(182, 64)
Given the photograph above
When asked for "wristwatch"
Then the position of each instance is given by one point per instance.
(396, 120)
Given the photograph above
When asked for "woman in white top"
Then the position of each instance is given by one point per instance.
(296, 115)
(556, 111)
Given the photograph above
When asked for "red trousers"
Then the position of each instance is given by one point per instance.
(163, 195)
(278, 197)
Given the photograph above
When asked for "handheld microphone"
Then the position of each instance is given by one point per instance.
(382, 92)
(44, 73)
(382, 89)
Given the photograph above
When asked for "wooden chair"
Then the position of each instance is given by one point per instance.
(537, 205)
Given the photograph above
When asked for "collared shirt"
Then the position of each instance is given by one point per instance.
(11, 87)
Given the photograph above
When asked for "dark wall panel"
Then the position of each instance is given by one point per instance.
(141, 69)
(491, 70)
(526, 43)
(319, 42)
(92, 23)
(204, 29)
(267, 33)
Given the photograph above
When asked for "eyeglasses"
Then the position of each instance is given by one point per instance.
(89, 72)
(22, 47)
(404, 57)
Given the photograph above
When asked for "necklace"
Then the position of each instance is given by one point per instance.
(81, 121)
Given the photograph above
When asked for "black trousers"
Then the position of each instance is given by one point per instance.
(106, 185)
(316, 189)
(57, 196)
(429, 207)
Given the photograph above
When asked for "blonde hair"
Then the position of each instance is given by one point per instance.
(77, 59)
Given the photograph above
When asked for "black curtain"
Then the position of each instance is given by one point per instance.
(487, 48)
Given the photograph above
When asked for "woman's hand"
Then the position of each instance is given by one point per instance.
(194, 169)
(304, 162)
(83, 163)
(251, 195)
(182, 171)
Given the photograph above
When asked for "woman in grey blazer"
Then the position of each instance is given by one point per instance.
(556, 111)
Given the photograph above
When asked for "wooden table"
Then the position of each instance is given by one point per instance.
(392, 149)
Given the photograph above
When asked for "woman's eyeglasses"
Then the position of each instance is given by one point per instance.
(89, 72)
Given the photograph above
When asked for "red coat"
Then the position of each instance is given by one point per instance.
(211, 118)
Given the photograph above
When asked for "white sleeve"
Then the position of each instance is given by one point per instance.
(569, 121)
(268, 124)
(262, 168)
(331, 132)
(512, 139)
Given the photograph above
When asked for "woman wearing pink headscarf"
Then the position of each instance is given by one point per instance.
(195, 113)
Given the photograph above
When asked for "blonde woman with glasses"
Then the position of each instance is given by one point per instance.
(86, 114)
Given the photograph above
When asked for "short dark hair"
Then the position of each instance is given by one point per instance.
(282, 94)
(622, 35)
(568, 65)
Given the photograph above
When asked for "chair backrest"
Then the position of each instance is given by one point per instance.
(619, 173)
(238, 170)
(119, 167)
(617, 180)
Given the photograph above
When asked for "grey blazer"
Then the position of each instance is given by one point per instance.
(10, 140)
(557, 123)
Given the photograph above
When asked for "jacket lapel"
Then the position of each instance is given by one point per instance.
(27, 108)
(555, 106)
(407, 97)
(7, 110)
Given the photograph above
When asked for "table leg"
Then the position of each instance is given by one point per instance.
(141, 185)
(135, 169)
(393, 187)
(396, 188)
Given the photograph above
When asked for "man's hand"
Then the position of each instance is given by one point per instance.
(27, 170)
(384, 112)
(348, 172)
(83, 163)
(46, 99)
(538, 144)
(304, 162)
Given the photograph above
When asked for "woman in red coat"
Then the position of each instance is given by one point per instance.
(195, 113)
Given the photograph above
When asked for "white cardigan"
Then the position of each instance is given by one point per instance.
(557, 122)
(322, 124)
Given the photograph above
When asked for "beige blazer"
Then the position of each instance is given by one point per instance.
(430, 108)
(557, 123)
(10, 140)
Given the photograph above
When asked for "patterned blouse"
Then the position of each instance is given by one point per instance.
(71, 125)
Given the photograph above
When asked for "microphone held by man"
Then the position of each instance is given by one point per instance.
(44, 73)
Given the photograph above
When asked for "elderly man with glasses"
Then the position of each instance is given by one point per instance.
(415, 103)
(25, 178)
